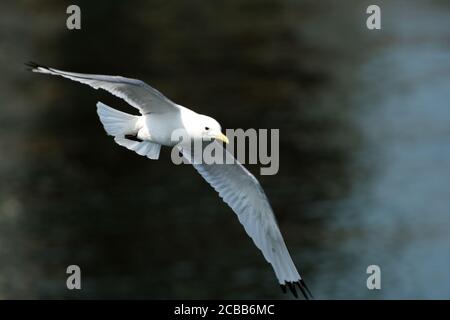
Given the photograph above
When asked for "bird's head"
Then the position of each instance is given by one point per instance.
(207, 128)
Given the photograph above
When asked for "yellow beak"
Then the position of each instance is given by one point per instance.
(222, 137)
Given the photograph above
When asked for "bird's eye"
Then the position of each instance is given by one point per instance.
(206, 128)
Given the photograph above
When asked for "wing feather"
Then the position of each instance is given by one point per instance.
(243, 193)
(135, 92)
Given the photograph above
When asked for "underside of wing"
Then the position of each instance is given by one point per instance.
(135, 92)
(243, 193)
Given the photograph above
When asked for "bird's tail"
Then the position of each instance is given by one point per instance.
(115, 122)
(124, 127)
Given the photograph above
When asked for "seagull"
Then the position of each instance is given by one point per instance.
(145, 134)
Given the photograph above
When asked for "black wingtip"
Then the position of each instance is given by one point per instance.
(292, 289)
(31, 66)
(302, 282)
(304, 289)
(301, 285)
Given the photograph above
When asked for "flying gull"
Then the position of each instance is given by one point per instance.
(145, 134)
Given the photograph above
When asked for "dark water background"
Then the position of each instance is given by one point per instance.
(364, 121)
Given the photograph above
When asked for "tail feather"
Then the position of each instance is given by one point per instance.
(145, 148)
(120, 124)
(115, 122)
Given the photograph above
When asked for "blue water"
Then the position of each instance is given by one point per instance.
(397, 215)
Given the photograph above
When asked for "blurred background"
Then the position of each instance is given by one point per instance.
(365, 151)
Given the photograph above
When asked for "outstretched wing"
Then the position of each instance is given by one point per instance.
(243, 193)
(135, 92)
